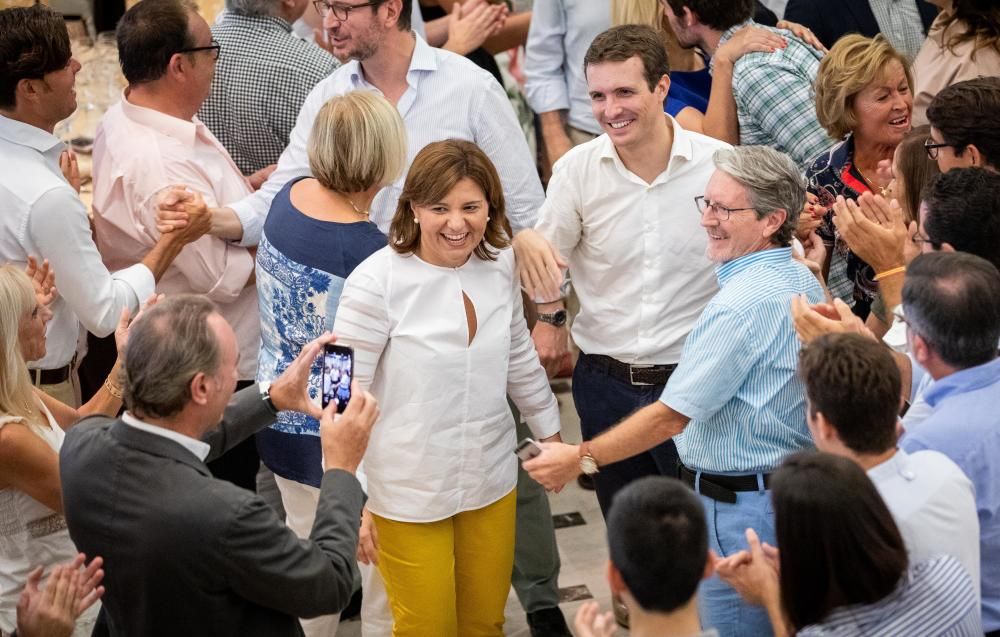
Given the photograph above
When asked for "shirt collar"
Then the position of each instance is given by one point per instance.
(682, 147)
(183, 131)
(731, 31)
(729, 269)
(963, 381)
(23, 134)
(197, 447)
(424, 58)
(258, 21)
(898, 464)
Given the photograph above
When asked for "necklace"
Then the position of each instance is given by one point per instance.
(871, 185)
(363, 213)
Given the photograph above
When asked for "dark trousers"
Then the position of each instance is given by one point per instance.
(603, 401)
(240, 464)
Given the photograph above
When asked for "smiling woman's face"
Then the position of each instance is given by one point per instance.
(451, 229)
(883, 107)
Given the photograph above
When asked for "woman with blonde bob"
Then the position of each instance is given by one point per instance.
(439, 335)
(32, 428)
(316, 233)
(864, 100)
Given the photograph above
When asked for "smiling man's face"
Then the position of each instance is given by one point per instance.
(623, 103)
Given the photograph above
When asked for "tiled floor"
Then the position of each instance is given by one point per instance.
(582, 548)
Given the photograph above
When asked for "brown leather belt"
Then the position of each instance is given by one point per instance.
(719, 487)
(634, 374)
(49, 376)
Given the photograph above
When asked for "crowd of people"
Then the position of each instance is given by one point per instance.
(762, 238)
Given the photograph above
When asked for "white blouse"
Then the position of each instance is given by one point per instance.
(445, 440)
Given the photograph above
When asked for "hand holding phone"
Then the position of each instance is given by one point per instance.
(527, 449)
(338, 371)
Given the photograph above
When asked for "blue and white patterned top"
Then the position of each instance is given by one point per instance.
(736, 377)
(301, 267)
(933, 599)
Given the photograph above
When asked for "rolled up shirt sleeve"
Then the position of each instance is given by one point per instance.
(58, 226)
(294, 162)
(496, 130)
(545, 58)
(718, 356)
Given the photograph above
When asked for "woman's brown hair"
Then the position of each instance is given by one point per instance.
(915, 170)
(975, 20)
(434, 172)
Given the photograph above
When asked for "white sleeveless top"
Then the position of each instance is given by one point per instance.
(32, 535)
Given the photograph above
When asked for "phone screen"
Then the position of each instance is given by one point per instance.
(338, 371)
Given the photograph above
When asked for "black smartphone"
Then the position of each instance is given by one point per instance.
(338, 372)
(527, 449)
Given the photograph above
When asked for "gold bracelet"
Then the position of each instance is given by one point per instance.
(888, 273)
(114, 390)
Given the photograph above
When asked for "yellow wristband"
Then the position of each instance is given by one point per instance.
(888, 273)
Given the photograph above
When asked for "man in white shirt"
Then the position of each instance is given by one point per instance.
(43, 215)
(556, 89)
(439, 94)
(853, 389)
(622, 209)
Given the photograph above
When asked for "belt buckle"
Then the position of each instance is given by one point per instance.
(631, 375)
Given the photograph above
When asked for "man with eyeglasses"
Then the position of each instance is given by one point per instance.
(733, 405)
(152, 139)
(965, 131)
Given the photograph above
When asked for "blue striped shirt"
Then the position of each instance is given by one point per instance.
(934, 599)
(736, 378)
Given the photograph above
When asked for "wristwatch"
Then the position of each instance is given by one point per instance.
(557, 318)
(587, 463)
(265, 395)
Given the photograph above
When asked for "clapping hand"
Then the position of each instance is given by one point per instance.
(43, 279)
(813, 321)
(873, 229)
(68, 593)
(471, 23)
(124, 322)
(591, 622)
(70, 169)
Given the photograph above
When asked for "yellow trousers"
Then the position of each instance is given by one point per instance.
(449, 578)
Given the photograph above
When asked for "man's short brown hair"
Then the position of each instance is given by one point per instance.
(624, 42)
(434, 172)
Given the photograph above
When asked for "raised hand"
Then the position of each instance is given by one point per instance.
(70, 169)
(43, 279)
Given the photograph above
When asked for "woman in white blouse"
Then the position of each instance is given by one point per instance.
(437, 326)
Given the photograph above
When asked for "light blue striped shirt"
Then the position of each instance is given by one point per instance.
(933, 599)
(736, 378)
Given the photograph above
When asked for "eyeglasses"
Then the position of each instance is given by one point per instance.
(341, 11)
(722, 213)
(215, 47)
(932, 148)
(919, 241)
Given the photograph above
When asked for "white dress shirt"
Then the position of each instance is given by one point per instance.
(197, 447)
(448, 97)
(934, 506)
(636, 251)
(139, 152)
(560, 34)
(445, 440)
(44, 217)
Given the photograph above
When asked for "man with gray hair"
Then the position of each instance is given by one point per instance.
(733, 406)
(261, 79)
(185, 553)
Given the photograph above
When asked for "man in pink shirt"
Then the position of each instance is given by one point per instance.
(151, 140)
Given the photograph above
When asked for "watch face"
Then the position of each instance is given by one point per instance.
(557, 318)
(588, 465)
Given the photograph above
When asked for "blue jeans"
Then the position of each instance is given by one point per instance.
(603, 401)
(719, 605)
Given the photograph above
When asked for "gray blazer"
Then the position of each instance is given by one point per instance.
(187, 554)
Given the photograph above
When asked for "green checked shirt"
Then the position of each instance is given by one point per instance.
(775, 101)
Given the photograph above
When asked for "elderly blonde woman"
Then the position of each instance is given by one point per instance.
(439, 334)
(32, 427)
(316, 233)
(863, 99)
